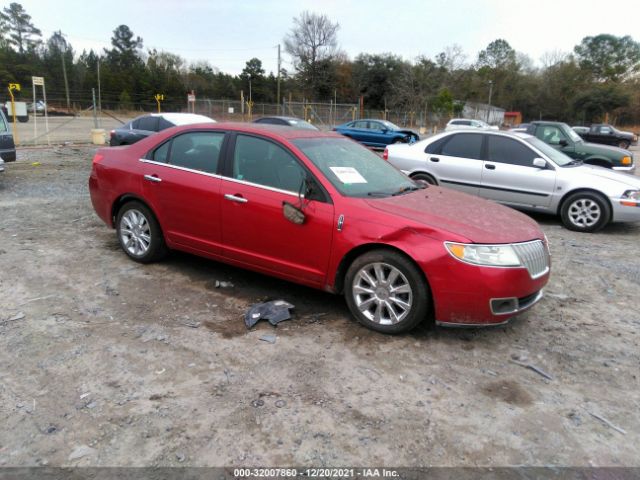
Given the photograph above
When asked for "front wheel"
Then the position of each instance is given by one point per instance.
(623, 144)
(585, 212)
(425, 178)
(386, 292)
(139, 233)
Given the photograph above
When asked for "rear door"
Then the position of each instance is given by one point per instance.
(182, 183)
(508, 174)
(260, 176)
(457, 162)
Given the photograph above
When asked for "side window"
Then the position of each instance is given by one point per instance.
(197, 150)
(3, 125)
(263, 162)
(507, 150)
(161, 153)
(148, 123)
(550, 134)
(465, 145)
(360, 125)
(605, 130)
(375, 126)
(133, 124)
(436, 146)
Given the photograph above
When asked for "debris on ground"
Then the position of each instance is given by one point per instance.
(607, 422)
(81, 451)
(16, 317)
(530, 366)
(275, 312)
(268, 338)
(220, 284)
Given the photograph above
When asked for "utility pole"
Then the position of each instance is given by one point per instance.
(99, 95)
(278, 94)
(490, 92)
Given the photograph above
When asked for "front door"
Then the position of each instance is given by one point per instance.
(181, 182)
(260, 176)
(508, 174)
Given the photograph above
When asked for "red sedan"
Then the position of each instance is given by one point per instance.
(319, 209)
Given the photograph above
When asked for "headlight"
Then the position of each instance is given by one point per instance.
(490, 255)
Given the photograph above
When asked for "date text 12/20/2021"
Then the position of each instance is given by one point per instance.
(315, 472)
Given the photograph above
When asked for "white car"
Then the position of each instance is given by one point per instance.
(523, 172)
(467, 123)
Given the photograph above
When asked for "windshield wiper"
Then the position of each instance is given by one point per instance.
(407, 190)
(378, 194)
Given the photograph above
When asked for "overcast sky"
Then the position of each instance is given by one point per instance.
(227, 33)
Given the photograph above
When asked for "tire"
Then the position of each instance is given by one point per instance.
(623, 144)
(585, 212)
(139, 233)
(397, 141)
(424, 177)
(369, 296)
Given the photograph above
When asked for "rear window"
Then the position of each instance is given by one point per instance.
(148, 123)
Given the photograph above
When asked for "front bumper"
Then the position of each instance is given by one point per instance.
(472, 295)
(625, 210)
(629, 169)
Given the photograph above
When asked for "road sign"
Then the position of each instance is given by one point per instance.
(37, 80)
(191, 97)
(14, 86)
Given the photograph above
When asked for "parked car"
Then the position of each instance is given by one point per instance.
(286, 121)
(376, 133)
(560, 136)
(318, 209)
(467, 123)
(39, 107)
(520, 128)
(145, 125)
(607, 135)
(7, 146)
(522, 171)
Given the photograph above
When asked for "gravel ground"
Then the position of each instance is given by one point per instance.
(107, 362)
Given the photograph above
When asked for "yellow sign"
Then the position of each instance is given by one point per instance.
(14, 86)
(159, 98)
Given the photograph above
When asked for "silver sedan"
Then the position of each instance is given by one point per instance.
(523, 172)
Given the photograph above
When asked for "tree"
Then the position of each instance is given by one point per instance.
(597, 101)
(497, 55)
(253, 73)
(609, 58)
(15, 21)
(312, 42)
(375, 76)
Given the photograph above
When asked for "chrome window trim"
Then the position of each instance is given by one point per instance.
(221, 177)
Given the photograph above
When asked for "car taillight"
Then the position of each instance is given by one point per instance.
(385, 155)
(112, 133)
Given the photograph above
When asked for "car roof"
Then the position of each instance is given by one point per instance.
(282, 117)
(281, 131)
(184, 118)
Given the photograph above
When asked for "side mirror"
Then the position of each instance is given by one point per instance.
(563, 143)
(539, 163)
(293, 213)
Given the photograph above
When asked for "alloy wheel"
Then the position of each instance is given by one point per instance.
(584, 213)
(135, 232)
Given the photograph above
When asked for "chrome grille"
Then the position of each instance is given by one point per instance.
(534, 256)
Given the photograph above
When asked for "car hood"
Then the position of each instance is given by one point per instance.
(605, 150)
(607, 173)
(478, 220)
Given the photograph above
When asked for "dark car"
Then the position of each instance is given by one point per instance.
(146, 125)
(376, 133)
(607, 135)
(562, 137)
(7, 146)
(286, 121)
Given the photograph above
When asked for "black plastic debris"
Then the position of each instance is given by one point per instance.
(275, 312)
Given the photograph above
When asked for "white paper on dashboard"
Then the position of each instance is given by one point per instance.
(348, 175)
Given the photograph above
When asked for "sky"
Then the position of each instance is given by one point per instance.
(227, 33)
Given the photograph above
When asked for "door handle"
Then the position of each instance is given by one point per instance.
(153, 178)
(235, 198)
(489, 166)
(434, 159)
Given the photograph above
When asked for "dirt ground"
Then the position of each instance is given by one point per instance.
(107, 362)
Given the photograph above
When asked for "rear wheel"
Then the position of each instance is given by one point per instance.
(624, 144)
(139, 233)
(585, 212)
(386, 292)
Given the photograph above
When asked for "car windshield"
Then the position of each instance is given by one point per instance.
(557, 156)
(390, 126)
(354, 170)
(573, 135)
